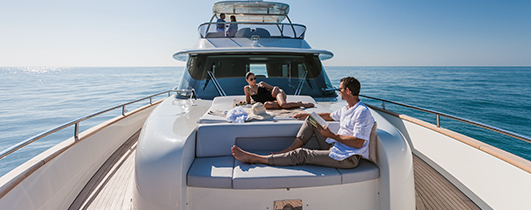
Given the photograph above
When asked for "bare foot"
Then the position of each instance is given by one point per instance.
(247, 157)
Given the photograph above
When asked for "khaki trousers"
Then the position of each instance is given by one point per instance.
(320, 157)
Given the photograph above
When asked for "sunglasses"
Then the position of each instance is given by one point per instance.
(252, 79)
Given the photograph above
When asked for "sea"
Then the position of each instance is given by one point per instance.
(36, 99)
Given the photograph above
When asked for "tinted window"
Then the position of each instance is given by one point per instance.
(269, 66)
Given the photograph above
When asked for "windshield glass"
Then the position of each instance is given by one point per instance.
(230, 66)
(210, 75)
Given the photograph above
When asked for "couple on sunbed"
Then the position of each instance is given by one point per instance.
(271, 96)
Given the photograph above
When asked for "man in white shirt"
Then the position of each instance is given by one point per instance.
(341, 150)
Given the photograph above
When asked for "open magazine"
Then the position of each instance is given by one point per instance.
(316, 120)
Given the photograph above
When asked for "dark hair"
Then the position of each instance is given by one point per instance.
(232, 16)
(248, 74)
(352, 84)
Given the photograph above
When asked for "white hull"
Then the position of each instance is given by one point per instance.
(53, 179)
(484, 173)
(324, 197)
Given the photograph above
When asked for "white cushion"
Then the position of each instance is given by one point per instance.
(366, 170)
(257, 176)
(217, 139)
(221, 104)
(226, 172)
(214, 172)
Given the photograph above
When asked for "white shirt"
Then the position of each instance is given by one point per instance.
(356, 121)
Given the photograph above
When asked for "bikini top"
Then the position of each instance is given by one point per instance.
(263, 95)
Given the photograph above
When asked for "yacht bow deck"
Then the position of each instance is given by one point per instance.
(111, 187)
(433, 191)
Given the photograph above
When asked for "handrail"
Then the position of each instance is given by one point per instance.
(438, 114)
(295, 28)
(76, 122)
(301, 83)
(252, 23)
(216, 84)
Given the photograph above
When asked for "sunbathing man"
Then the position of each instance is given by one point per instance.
(271, 97)
(347, 146)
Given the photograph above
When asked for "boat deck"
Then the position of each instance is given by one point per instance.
(433, 191)
(111, 187)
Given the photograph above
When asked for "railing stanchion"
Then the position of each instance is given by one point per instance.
(383, 104)
(76, 131)
(438, 120)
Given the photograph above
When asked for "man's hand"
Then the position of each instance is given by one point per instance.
(301, 116)
(325, 131)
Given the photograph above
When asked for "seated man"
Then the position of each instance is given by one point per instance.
(347, 146)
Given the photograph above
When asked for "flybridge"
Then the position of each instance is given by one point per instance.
(255, 20)
(250, 29)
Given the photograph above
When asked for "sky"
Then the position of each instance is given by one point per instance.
(64, 33)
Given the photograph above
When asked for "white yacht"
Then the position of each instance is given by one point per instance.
(175, 153)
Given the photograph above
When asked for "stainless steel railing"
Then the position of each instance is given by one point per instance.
(277, 30)
(439, 114)
(76, 122)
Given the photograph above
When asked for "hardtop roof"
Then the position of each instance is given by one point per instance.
(252, 11)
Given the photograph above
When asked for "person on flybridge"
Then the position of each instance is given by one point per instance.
(341, 150)
(221, 26)
(233, 28)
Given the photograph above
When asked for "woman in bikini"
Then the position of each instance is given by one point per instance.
(271, 97)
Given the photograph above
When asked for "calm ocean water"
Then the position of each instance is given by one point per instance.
(35, 99)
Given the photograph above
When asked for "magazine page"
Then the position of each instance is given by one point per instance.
(316, 120)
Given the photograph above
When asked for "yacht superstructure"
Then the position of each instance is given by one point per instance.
(276, 51)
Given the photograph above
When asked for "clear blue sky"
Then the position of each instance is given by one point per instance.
(358, 32)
